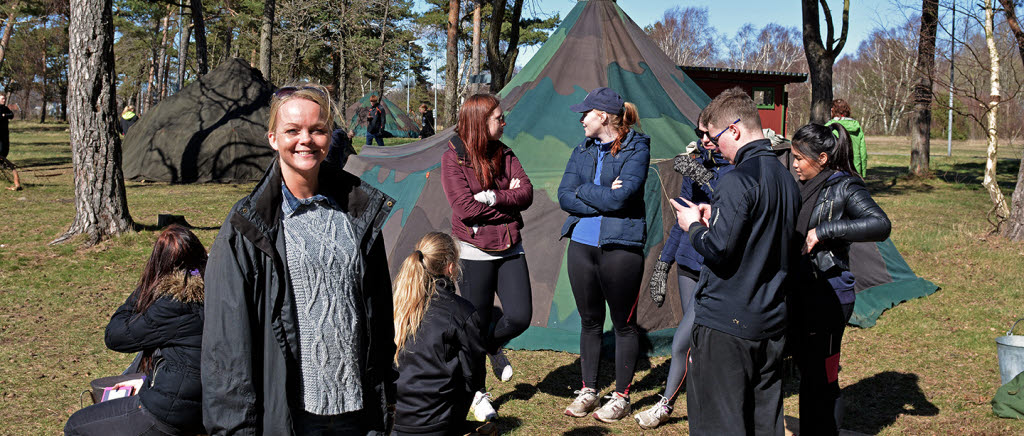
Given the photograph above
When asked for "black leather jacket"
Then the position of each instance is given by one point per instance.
(844, 213)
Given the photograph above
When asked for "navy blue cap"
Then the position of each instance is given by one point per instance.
(604, 99)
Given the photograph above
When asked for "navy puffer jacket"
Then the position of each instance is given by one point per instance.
(622, 211)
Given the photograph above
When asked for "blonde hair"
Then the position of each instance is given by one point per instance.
(306, 91)
(622, 124)
(436, 256)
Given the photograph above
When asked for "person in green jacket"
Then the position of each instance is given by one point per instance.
(841, 115)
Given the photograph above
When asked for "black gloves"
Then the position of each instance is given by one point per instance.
(659, 279)
(685, 164)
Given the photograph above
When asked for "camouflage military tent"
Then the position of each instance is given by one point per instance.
(596, 45)
(397, 124)
(213, 130)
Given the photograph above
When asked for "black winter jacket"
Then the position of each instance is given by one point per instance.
(173, 324)
(844, 213)
(375, 120)
(749, 246)
(442, 367)
(251, 367)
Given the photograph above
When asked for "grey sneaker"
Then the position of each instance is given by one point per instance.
(616, 408)
(585, 402)
(501, 366)
(657, 415)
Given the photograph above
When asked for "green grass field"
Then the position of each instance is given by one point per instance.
(928, 366)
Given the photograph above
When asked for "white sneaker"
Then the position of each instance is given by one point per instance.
(481, 407)
(585, 402)
(615, 409)
(656, 415)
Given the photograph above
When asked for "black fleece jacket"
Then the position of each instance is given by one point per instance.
(441, 368)
(748, 246)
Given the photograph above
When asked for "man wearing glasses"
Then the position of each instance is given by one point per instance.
(746, 238)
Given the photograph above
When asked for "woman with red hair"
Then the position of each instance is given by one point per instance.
(488, 190)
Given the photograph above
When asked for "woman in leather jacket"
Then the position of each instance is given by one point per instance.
(836, 211)
(165, 312)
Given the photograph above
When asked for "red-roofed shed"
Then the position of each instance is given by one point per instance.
(767, 88)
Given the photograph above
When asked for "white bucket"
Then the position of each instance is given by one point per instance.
(1010, 350)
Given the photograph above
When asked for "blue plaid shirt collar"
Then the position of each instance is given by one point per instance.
(291, 205)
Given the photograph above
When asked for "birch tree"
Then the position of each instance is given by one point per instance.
(999, 208)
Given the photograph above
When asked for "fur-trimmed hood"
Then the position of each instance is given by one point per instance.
(183, 286)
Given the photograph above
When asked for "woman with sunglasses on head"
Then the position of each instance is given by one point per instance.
(836, 210)
(488, 190)
(299, 333)
(603, 192)
(165, 314)
(701, 170)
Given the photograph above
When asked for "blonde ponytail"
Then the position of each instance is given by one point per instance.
(436, 256)
(623, 123)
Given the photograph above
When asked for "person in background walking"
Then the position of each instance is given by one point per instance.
(836, 210)
(5, 144)
(128, 119)
(603, 192)
(841, 115)
(427, 122)
(488, 190)
(375, 119)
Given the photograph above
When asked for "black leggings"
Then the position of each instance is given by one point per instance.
(510, 278)
(599, 276)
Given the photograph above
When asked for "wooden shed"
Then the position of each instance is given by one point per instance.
(768, 89)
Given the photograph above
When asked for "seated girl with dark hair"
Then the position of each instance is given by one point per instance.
(165, 312)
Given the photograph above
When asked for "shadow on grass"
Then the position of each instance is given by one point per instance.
(877, 401)
(972, 173)
(588, 431)
(655, 379)
(33, 162)
(507, 424)
(522, 391)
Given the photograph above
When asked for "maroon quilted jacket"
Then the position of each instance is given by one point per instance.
(498, 226)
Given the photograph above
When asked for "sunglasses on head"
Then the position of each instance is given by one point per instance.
(289, 90)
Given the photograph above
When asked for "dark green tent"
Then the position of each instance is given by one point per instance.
(397, 124)
(596, 45)
(213, 130)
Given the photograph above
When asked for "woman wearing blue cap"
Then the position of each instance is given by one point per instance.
(603, 192)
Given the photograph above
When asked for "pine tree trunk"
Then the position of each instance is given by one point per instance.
(474, 65)
(101, 207)
(451, 73)
(1001, 210)
(202, 58)
(380, 52)
(267, 38)
(162, 58)
(921, 118)
(8, 29)
(183, 36)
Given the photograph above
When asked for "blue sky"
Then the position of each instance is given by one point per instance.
(728, 16)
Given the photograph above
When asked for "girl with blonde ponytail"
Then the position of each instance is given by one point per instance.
(603, 192)
(440, 348)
